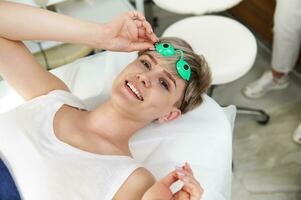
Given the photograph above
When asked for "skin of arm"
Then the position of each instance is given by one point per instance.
(22, 72)
(141, 185)
(192, 190)
(136, 185)
(23, 22)
(128, 32)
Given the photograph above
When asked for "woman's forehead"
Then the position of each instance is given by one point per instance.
(168, 63)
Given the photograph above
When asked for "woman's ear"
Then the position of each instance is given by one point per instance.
(173, 114)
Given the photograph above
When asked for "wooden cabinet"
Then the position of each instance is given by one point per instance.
(257, 15)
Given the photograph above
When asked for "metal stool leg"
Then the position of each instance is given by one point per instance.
(261, 116)
(210, 90)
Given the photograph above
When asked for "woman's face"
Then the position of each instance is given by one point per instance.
(147, 91)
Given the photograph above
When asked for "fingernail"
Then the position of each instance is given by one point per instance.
(186, 180)
(180, 169)
(181, 174)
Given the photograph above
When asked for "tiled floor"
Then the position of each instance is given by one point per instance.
(267, 163)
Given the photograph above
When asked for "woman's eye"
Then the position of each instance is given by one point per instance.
(146, 64)
(164, 84)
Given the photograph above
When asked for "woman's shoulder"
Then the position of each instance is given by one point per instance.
(142, 174)
(141, 177)
(68, 98)
(136, 185)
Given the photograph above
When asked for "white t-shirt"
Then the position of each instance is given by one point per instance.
(45, 168)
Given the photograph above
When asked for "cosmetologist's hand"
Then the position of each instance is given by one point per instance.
(129, 32)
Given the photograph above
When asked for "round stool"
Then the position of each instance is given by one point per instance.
(196, 7)
(228, 46)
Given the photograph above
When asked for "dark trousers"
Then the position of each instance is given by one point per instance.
(8, 189)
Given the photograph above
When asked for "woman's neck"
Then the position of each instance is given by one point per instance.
(111, 124)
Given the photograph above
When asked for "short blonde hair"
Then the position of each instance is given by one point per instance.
(200, 78)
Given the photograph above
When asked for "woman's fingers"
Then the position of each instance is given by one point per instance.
(142, 33)
(188, 168)
(169, 178)
(144, 28)
(139, 46)
(191, 185)
(184, 174)
(136, 15)
(185, 170)
(138, 23)
(181, 195)
(195, 190)
(136, 31)
(133, 30)
(150, 32)
(147, 27)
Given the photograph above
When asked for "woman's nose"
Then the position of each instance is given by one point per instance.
(144, 79)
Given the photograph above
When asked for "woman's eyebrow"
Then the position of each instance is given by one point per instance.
(165, 72)
(152, 58)
(170, 77)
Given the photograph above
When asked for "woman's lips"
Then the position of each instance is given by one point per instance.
(132, 92)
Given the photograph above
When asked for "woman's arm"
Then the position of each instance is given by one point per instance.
(141, 185)
(136, 185)
(192, 190)
(128, 32)
(23, 22)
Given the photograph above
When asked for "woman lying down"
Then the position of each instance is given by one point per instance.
(56, 149)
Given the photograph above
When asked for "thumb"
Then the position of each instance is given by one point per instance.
(169, 179)
(140, 46)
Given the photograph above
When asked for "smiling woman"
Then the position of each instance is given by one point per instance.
(155, 81)
(69, 151)
(200, 73)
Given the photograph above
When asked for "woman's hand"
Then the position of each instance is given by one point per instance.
(191, 190)
(128, 32)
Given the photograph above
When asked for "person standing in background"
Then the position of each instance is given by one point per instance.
(286, 46)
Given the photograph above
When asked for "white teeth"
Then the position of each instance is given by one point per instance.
(134, 90)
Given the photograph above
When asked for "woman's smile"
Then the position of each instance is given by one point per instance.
(133, 90)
